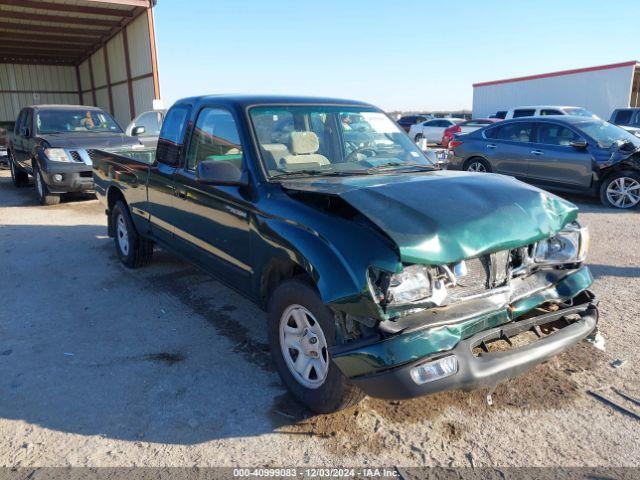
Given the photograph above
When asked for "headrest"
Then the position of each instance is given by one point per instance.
(304, 143)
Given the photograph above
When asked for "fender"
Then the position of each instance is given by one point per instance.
(342, 283)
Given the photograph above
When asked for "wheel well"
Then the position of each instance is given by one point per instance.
(475, 157)
(277, 272)
(113, 195)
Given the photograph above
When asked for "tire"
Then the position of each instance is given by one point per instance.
(477, 164)
(418, 137)
(42, 191)
(328, 392)
(133, 250)
(19, 178)
(621, 190)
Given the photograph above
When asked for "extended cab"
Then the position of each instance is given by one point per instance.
(380, 273)
(50, 143)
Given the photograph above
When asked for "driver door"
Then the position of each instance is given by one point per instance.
(212, 221)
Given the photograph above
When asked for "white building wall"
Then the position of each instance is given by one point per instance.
(22, 85)
(600, 91)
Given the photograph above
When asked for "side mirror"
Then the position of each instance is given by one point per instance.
(136, 131)
(220, 172)
(579, 144)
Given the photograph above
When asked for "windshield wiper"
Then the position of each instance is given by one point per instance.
(318, 173)
(401, 166)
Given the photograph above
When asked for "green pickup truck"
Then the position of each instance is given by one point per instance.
(381, 274)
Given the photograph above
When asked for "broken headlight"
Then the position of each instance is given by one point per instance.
(410, 285)
(568, 246)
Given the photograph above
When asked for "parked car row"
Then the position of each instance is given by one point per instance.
(567, 153)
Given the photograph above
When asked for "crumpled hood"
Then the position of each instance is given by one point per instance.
(73, 140)
(444, 216)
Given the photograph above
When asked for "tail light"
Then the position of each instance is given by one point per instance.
(454, 143)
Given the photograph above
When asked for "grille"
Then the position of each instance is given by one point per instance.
(483, 273)
(475, 281)
(75, 155)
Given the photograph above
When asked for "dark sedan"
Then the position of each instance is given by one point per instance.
(408, 120)
(564, 153)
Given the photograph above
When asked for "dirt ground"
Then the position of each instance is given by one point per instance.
(163, 366)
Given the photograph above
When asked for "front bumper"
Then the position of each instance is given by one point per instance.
(381, 368)
(75, 177)
(488, 369)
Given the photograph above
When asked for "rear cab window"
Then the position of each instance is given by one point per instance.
(172, 134)
(623, 117)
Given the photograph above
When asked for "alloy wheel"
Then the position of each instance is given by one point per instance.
(122, 234)
(477, 167)
(304, 347)
(624, 192)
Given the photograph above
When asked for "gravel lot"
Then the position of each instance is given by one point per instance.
(163, 366)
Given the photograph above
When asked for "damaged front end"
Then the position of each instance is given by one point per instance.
(441, 322)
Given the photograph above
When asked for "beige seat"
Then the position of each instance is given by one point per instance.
(303, 146)
(273, 153)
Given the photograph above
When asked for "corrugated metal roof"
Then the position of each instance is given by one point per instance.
(61, 32)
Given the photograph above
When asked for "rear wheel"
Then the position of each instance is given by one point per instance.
(477, 164)
(301, 329)
(19, 178)
(42, 190)
(621, 190)
(133, 250)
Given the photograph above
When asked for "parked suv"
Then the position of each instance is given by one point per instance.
(146, 127)
(50, 142)
(380, 273)
(627, 118)
(566, 153)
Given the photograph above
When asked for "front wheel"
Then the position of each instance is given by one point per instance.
(133, 250)
(478, 165)
(621, 190)
(18, 177)
(301, 329)
(44, 196)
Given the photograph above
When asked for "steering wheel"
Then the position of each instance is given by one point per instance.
(366, 151)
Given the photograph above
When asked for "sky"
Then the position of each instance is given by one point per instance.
(399, 55)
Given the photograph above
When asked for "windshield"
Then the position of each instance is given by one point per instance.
(59, 121)
(580, 112)
(607, 134)
(330, 140)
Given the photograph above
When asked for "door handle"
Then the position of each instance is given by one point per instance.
(537, 152)
(491, 146)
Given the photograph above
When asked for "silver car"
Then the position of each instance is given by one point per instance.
(566, 153)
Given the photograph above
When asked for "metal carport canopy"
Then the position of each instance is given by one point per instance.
(81, 34)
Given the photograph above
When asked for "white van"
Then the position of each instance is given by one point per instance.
(542, 110)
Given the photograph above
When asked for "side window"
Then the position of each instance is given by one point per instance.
(524, 112)
(19, 122)
(547, 111)
(492, 132)
(623, 117)
(215, 138)
(636, 120)
(553, 134)
(151, 121)
(516, 132)
(172, 134)
(28, 123)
